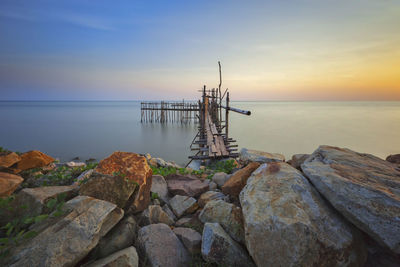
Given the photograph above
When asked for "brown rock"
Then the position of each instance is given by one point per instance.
(238, 180)
(114, 189)
(33, 159)
(394, 159)
(133, 167)
(185, 185)
(8, 160)
(8, 183)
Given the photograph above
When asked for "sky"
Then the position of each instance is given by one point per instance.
(151, 50)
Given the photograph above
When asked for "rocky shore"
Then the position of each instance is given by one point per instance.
(335, 207)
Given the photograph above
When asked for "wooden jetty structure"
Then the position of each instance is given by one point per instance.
(212, 140)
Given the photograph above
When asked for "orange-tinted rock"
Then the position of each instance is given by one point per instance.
(134, 168)
(33, 159)
(8, 183)
(7, 160)
(238, 180)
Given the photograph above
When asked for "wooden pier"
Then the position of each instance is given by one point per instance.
(212, 139)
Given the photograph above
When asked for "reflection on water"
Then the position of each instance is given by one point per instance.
(96, 129)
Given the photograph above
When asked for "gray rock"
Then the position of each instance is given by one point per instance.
(220, 178)
(126, 257)
(159, 186)
(218, 247)
(120, 237)
(248, 155)
(208, 196)
(35, 199)
(212, 186)
(83, 177)
(190, 238)
(155, 214)
(73, 164)
(287, 223)
(298, 159)
(227, 215)
(168, 211)
(363, 188)
(161, 247)
(181, 205)
(185, 185)
(69, 240)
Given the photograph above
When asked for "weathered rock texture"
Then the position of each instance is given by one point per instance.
(362, 187)
(126, 258)
(159, 186)
(190, 238)
(394, 158)
(185, 185)
(121, 236)
(35, 199)
(8, 183)
(155, 214)
(70, 239)
(181, 205)
(287, 223)
(7, 160)
(227, 215)
(114, 189)
(161, 246)
(209, 196)
(33, 159)
(248, 155)
(134, 168)
(238, 180)
(218, 247)
(298, 159)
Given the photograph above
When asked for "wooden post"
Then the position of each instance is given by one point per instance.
(227, 117)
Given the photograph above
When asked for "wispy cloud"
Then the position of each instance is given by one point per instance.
(82, 20)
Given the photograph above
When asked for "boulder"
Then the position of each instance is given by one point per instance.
(287, 223)
(155, 214)
(7, 160)
(249, 155)
(134, 168)
(227, 215)
(33, 159)
(363, 188)
(35, 199)
(238, 180)
(183, 205)
(208, 196)
(185, 185)
(83, 177)
(73, 164)
(191, 221)
(168, 211)
(68, 241)
(161, 247)
(120, 237)
(190, 238)
(394, 158)
(9, 183)
(298, 159)
(126, 257)
(220, 178)
(114, 189)
(159, 186)
(218, 247)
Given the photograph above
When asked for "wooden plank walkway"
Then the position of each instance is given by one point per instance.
(215, 142)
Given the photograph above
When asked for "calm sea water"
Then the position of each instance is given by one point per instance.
(96, 129)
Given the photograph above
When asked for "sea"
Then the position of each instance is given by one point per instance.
(94, 129)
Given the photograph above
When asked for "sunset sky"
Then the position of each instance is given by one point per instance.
(132, 50)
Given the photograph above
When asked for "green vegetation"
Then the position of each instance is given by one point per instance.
(17, 230)
(4, 150)
(62, 175)
(154, 195)
(226, 166)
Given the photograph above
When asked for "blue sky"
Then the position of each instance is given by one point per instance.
(127, 50)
